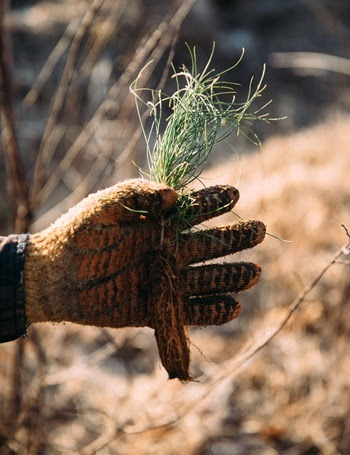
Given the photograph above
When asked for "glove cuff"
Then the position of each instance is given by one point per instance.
(13, 321)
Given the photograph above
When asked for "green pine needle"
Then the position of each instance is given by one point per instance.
(201, 117)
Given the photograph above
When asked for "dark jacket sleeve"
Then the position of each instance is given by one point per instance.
(13, 323)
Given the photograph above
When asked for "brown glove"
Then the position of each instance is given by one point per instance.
(92, 266)
(121, 258)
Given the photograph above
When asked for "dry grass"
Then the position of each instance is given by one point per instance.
(300, 386)
(69, 389)
(104, 392)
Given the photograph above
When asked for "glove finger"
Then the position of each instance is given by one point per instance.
(127, 201)
(217, 242)
(219, 278)
(209, 203)
(211, 310)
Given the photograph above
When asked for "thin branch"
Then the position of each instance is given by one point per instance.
(51, 63)
(96, 45)
(95, 121)
(140, 55)
(101, 441)
(290, 311)
(311, 61)
(17, 188)
(33, 391)
(99, 167)
(137, 134)
(47, 149)
(347, 233)
(97, 357)
(20, 200)
(82, 189)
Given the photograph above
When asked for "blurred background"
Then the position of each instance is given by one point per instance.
(69, 127)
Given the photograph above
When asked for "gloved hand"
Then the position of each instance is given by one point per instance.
(92, 265)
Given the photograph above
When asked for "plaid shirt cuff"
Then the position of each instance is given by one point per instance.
(13, 322)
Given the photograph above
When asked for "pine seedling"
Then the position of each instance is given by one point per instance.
(204, 112)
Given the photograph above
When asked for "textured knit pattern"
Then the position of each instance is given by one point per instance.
(92, 266)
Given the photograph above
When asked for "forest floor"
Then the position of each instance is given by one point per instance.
(68, 389)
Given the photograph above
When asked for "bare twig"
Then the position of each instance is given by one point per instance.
(81, 190)
(51, 63)
(97, 357)
(311, 61)
(136, 136)
(18, 191)
(96, 171)
(141, 54)
(101, 442)
(346, 232)
(106, 30)
(47, 149)
(168, 39)
(22, 217)
(95, 122)
(32, 393)
(289, 313)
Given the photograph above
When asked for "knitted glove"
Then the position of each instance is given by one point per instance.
(92, 266)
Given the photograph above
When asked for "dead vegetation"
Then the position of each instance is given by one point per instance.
(68, 389)
(102, 391)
